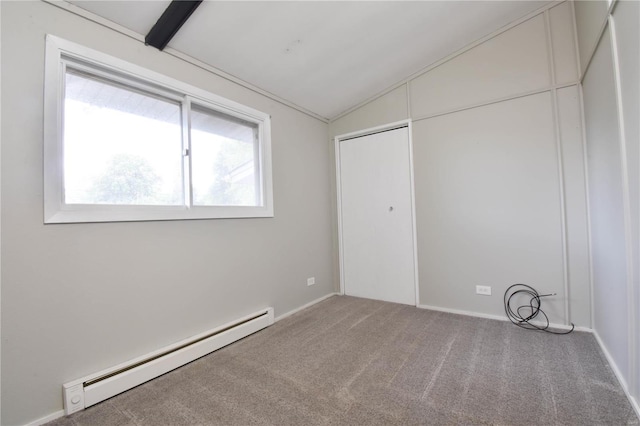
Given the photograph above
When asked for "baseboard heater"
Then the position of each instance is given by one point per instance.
(87, 391)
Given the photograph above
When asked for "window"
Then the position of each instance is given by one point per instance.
(123, 143)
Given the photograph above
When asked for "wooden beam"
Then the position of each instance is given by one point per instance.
(172, 19)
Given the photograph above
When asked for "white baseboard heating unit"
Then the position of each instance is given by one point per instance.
(90, 390)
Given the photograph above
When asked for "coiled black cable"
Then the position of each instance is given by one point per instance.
(523, 315)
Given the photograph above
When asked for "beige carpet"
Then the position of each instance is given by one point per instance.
(350, 361)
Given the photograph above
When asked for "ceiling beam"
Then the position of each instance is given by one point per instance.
(172, 19)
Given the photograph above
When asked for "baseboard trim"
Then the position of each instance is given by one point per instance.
(618, 374)
(296, 310)
(498, 317)
(46, 419)
(634, 403)
(60, 413)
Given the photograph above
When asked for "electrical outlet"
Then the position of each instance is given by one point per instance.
(311, 281)
(484, 290)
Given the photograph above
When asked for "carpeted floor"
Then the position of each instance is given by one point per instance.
(350, 361)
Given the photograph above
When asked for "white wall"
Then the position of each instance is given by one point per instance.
(606, 201)
(626, 17)
(488, 205)
(82, 297)
(499, 170)
(512, 63)
(590, 18)
(608, 37)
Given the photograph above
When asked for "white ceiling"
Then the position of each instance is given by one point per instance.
(325, 56)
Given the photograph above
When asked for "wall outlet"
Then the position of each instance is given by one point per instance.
(484, 290)
(311, 281)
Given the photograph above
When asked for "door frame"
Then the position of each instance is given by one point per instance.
(366, 132)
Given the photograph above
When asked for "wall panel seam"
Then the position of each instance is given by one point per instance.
(561, 176)
(495, 101)
(408, 95)
(585, 165)
(575, 39)
(549, 42)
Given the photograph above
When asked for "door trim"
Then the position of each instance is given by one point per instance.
(366, 132)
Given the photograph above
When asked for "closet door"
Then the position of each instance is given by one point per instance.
(377, 235)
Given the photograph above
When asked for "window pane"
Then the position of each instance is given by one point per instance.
(121, 146)
(224, 160)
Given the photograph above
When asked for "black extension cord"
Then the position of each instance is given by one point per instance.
(523, 315)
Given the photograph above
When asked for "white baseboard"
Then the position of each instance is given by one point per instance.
(313, 302)
(46, 419)
(499, 317)
(92, 389)
(614, 367)
(618, 374)
(61, 413)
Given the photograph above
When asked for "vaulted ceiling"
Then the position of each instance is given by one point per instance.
(325, 56)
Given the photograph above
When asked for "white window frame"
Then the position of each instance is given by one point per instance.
(60, 51)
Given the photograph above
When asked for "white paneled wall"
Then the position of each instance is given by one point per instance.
(513, 62)
(488, 205)
(565, 54)
(500, 192)
(387, 109)
(606, 202)
(590, 18)
(608, 36)
(572, 138)
(626, 18)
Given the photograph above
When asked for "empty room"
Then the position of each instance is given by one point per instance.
(320, 212)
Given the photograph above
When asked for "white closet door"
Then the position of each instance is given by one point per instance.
(377, 217)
